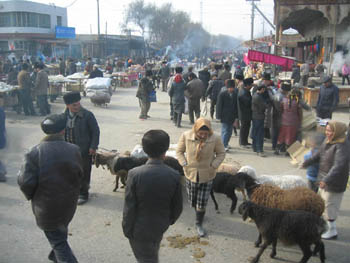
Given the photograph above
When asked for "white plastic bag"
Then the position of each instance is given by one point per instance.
(98, 83)
(204, 110)
(186, 106)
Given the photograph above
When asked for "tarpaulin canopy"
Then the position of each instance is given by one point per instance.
(258, 56)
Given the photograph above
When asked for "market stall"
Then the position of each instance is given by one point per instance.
(79, 77)
(311, 96)
(56, 85)
(8, 95)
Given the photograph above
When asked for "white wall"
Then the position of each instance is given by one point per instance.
(27, 6)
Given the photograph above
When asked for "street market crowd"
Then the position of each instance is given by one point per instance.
(56, 173)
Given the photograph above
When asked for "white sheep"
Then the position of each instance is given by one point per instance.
(282, 181)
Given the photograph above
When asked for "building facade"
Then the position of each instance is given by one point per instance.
(30, 28)
(324, 24)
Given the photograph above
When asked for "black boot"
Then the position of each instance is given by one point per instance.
(199, 222)
(178, 121)
(278, 149)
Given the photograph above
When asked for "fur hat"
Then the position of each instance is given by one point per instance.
(327, 79)
(285, 86)
(53, 124)
(248, 81)
(239, 77)
(71, 97)
(266, 76)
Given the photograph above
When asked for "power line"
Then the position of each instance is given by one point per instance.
(71, 4)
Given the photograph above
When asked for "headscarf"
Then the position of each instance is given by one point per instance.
(339, 129)
(178, 78)
(196, 127)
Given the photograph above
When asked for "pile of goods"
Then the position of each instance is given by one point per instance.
(99, 91)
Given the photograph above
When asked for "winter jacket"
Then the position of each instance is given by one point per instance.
(41, 83)
(211, 155)
(50, 178)
(153, 201)
(144, 89)
(86, 131)
(165, 72)
(226, 107)
(345, 70)
(328, 98)
(96, 74)
(204, 76)
(195, 89)
(333, 158)
(244, 105)
(258, 107)
(24, 80)
(291, 115)
(2, 128)
(214, 89)
(177, 92)
(224, 75)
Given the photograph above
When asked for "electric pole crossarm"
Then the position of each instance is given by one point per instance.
(262, 14)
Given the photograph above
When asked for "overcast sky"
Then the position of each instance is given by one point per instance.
(230, 17)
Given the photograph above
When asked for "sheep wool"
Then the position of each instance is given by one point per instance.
(300, 198)
(283, 181)
(229, 168)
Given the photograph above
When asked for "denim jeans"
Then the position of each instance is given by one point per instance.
(61, 252)
(226, 133)
(258, 135)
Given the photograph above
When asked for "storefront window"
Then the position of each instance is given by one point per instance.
(24, 19)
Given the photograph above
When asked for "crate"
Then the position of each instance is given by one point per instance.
(74, 87)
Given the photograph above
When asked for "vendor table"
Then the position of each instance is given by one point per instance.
(311, 96)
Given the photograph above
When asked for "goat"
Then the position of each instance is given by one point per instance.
(290, 227)
(224, 184)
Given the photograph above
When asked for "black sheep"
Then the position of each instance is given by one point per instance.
(225, 183)
(124, 164)
(288, 226)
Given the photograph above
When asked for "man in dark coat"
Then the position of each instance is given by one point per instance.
(41, 89)
(204, 76)
(227, 112)
(195, 90)
(81, 129)
(225, 74)
(245, 111)
(214, 88)
(62, 66)
(153, 199)
(327, 99)
(25, 87)
(165, 74)
(2, 141)
(143, 91)
(95, 73)
(187, 74)
(177, 96)
(259, 106)
(50, 178)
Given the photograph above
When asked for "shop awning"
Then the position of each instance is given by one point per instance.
(258, 56)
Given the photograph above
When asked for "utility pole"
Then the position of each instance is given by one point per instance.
(201, 12)
(252, 22)
(98, 18)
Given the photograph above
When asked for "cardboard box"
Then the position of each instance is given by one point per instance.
(297, 152)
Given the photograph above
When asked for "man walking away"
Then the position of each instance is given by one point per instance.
(195, 91)
(225, 74)
(144, 89)
(50, 178)
(227, 112)
(213, 91)
(153, 199)
(165, 74)
(81, 129)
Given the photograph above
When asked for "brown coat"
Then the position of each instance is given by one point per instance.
(195, 89)
(23, 79)
(41, 83)
(211, 155)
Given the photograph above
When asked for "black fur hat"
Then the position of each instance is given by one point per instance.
(239, 77)
(53, 124)
(266, 76)
(286, 86)
(248, 81)
(71, 97)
